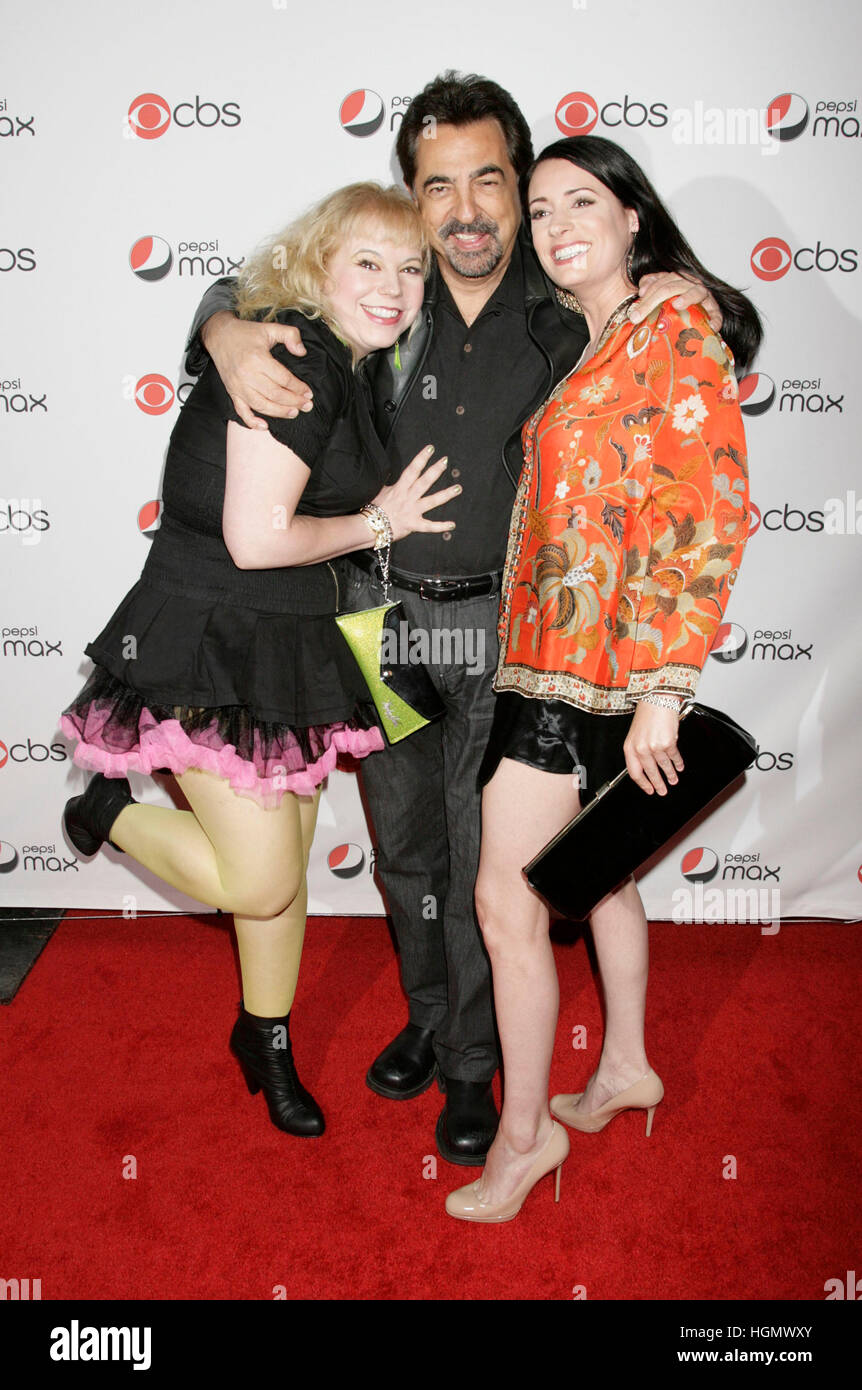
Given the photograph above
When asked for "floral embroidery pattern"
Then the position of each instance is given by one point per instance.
(630, 519)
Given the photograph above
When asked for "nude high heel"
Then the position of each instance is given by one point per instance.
(643, 1095)
(464, 1202)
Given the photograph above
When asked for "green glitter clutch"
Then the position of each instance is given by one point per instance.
(402, 690)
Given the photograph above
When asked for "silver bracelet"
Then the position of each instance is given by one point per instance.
(379, 523)
(655, 697)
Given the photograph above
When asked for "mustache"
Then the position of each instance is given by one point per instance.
(474, 228)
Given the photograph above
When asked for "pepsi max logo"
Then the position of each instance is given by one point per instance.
(730, 642)
(346, 861)
(8, 857)
(150, 115)
(576, 113)
(756, 393)
(149, 517)
(361, 112)
(151, 258)
(154, 394)
(699, 865)
(787, 116)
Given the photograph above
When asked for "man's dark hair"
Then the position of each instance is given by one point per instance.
(457, 99)
(658, 244)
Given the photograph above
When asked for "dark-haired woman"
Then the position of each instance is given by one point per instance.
(626, 536)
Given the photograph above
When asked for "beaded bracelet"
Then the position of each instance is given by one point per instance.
(661, 701)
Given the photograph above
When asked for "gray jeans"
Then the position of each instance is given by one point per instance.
(425, 808)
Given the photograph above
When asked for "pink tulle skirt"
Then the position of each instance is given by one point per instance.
(115, 733)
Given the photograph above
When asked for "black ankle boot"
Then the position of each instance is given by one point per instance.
(89, 818)
(266, 1058)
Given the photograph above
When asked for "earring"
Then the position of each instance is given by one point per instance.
(629, 260)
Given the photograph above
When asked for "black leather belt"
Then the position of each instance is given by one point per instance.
(444, 589)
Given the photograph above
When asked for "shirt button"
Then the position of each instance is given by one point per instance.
(468, 347)
(447, 535)
(459, 410)
(456, 472)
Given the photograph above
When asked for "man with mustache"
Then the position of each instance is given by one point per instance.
(493, 340)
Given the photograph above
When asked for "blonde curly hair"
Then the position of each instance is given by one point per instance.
(290, 270)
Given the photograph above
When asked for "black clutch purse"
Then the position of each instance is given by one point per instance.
(622, 827)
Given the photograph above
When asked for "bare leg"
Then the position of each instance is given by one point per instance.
(620, 932)
(522, 808)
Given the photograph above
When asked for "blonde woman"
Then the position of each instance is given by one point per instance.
(224, 664)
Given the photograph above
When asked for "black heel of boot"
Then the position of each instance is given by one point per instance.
(251, 1080)
(89, 818)
(270, 1068)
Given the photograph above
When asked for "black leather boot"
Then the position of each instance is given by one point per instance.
(467, 1123)
(88, 818)
(406, 1067)
(262, 1048)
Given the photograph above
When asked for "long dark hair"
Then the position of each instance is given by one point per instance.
(659, 244)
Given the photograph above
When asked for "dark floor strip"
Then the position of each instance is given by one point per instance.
(24, 934)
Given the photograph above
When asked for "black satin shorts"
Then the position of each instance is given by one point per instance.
(554, 736)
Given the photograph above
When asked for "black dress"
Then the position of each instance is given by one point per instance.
(243, 673)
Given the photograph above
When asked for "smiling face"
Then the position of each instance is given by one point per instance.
(581, 231)
(374, 288)
(467, 193)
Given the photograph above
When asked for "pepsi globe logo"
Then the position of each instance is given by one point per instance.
(149, 116)
(771, 258)
(787, 116)
(151, 258)
(361, 112)
(154, 394)
(756, 393)
(576, 113)
(149, 517)
(699, 865)
(8, 857)
(346, 861)
(730, 642)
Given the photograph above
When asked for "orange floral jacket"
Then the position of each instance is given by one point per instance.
(629, 522)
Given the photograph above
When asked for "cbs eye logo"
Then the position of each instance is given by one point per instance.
(772, 258)
(149, 116)
(154, 394)
(576, 113)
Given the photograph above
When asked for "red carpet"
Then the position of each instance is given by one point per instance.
(116, 1046)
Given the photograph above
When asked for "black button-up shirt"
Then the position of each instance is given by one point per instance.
(473, 390)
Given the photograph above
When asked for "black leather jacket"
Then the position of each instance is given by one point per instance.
(560, 333)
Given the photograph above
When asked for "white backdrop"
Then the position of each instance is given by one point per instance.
(205, 127)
